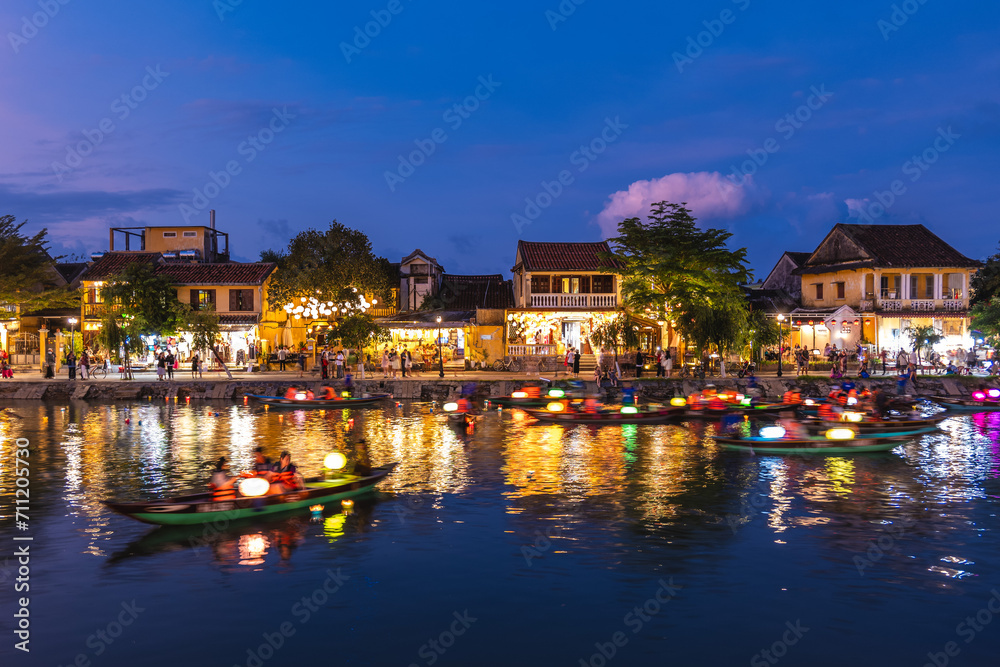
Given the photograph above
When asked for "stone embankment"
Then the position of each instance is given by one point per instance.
(651, 389)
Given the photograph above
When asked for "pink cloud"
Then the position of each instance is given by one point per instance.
(709, 195)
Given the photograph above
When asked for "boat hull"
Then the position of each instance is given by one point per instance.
(807, 446)
(650, 416)
(200, 508)
(966, 406)
(318, 403)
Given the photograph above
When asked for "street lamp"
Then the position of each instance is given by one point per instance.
(781, 341)
(440, 356)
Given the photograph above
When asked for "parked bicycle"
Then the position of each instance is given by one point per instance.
(99, 372)
(507, 364)
(693, 371)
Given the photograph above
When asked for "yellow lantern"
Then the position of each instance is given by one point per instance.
(335, 461)
(254, 486)
(840, 434)
(678, 402)
(450, 407)
(555, 407)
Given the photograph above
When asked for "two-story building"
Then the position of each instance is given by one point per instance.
(199, 270)
(561, 292)
(873, 282)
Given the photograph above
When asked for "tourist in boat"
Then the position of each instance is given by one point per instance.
(830, 412)
(591, 405)
(362, 461)
(792, 396)
(291, 392)
(262, 464)
(310, 395)
(628, 396)
(222, 483)
(794, 430)
(285, 476)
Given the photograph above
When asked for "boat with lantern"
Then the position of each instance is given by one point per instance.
(249, 502)
(983, 400)
(334, 403)
(625, 415)
(864, 424)
(773, 440)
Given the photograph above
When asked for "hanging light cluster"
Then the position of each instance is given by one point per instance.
(313, 308)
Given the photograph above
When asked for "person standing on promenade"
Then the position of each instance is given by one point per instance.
(281, 357)
(71, 365)
(882, 355)
(302, 363)
(576, 362)
(385, 363)
(339, 361)
(50, 365)
(194, 365)
(639, 361)
(170, 359)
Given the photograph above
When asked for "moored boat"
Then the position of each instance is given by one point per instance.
(968, 405)
(201, 508)
(869, 426)
(303, 403)
(622, 416)
(814, 445)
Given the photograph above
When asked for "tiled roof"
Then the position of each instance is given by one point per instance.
(114, 262)
(223, 273)
(237, 319)
(905, 245)
(799, 258)
(70, 271)
(471, 292)
(558, 256)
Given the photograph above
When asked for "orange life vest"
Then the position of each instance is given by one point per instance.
(827, 413)
(290, 394)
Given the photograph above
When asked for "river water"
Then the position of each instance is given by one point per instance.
(516, 544)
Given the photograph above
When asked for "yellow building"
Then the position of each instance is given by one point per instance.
(873, 282)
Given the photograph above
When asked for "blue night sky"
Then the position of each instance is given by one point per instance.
(607, 77)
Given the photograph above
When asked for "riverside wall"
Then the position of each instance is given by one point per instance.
(431, 389)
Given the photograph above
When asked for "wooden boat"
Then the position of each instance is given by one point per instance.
(464, 417)
(308, 403)
(642, 416)
(876, 426)
(966, 405)
(732, 409)
(201, 508)
(812, 445)
(511, 402)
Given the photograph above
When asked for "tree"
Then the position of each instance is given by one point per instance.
(357, 331)
(986, 318)
(760, 332)
(137, 303)
(618, 332)
(27, 271)
(675, 271)
(720, 326)
(985, 283)
(203, 325)
(923, 337)
(329, 266)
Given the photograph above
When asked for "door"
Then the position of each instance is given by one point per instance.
(571, 334)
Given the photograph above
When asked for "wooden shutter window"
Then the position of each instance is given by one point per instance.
(584, 284)
(194, 300)
(234, 300)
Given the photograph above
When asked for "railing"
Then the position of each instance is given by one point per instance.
(530, 350)
(574, 301)
(890, 304)
(890, 294)
(867, 305)
(384, 311)
(920, 304)
(93, 311)
(953, 304)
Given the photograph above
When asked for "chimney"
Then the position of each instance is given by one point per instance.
(211, 218)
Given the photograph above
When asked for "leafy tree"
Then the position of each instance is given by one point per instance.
(358, 331)
(619, 332)
(986, 318)
(760, 332)
(327, 265)
(677, 272)
(923, 337)
(985, 283)
(137, 303)
(27, 272)
(720, 326)
(203, 325)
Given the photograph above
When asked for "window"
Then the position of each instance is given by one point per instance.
(840, 290)
(169, 235)
(201, 298)
(419, 269)
(602, 284)
(953, 285)
(819, 291)
(540, 285)
(921, 285)
(890, 286)
(240, 300)
(870, 286)
(190, 235)
(951, 327)
(571, 285)
(845, 328)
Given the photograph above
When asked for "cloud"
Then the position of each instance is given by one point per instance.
(709, 195)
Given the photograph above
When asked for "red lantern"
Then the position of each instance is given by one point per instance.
(798, 323)
(810, 322)
(856, 322)
(833, 322)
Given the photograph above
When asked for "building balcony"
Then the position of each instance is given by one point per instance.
(918, 305)
(589, 301)
(531, 350)
(93, 311)
(384, 311)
